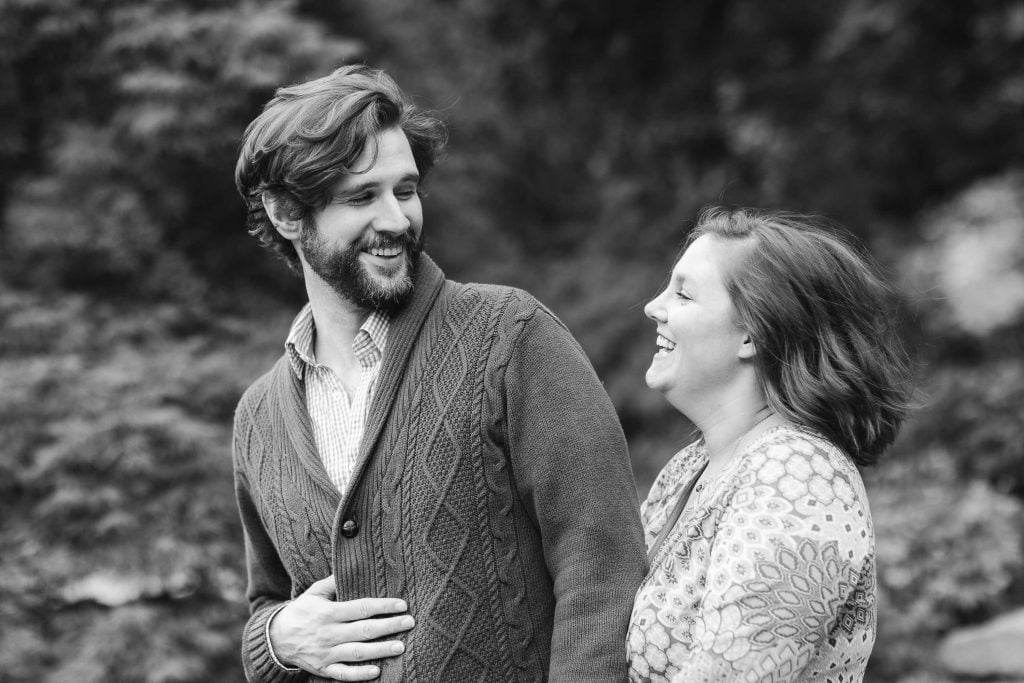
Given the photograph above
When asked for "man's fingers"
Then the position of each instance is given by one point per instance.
(364, 608)
(324, 588)
(365, 630)
(344, 672)
(349, 654)
(354, 653)
(372, 629)
(392, 625)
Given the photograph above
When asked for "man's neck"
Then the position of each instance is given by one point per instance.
(337, 322)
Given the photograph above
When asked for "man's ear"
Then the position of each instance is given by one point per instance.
(747, 349)
(287, 227)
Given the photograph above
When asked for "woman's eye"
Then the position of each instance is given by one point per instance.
(683, 295)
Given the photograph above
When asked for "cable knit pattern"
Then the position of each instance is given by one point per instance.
(772, 579)
(492, 492)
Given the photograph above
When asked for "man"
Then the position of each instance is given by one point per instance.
(431, 478)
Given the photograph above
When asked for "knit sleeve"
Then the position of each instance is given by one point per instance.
(573, 473)
(269, 585)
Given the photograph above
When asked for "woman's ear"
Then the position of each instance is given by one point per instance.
(747, 349)
(288, 228)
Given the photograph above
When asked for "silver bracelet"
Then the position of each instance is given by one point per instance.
(270, 646)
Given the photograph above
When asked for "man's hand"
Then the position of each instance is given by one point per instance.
(319, 635)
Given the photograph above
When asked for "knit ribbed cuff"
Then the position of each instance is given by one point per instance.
(261, 664)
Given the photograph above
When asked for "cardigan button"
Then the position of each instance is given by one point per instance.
(350, 528)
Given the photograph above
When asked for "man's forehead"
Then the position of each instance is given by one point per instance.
(385, 156)
(390, 141)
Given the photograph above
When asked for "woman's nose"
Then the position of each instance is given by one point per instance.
(654, 309)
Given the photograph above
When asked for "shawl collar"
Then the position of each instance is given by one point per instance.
(289, 392)
(402, 334)
(289, 409)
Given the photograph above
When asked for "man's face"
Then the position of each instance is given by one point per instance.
(366, 241)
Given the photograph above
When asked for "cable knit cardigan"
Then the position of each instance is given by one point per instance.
(493, 492)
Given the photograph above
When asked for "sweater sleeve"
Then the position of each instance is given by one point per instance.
(269, 585)
(572, 472)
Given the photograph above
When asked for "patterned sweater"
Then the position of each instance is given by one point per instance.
(493, 493)
(772, 579)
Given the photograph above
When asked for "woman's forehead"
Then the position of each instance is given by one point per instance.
(709, 255)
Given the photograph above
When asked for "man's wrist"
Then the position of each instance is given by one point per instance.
(270, 644)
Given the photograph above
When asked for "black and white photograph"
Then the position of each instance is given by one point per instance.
(478, 341)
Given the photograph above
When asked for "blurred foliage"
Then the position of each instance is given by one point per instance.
(124, 128)
(134, 309)
(949, 552)
(117, 509)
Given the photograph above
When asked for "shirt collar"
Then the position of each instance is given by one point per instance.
(369, 342)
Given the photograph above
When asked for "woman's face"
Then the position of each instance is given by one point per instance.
(700, 345)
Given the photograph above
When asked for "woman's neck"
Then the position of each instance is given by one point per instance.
(731, 431)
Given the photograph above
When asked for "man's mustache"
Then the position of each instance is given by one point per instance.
(384, 240)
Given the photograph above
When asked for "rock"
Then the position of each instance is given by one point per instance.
(993, 649)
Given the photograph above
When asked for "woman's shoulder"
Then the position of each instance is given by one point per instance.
(677, 471)
(798, 462)
(806, 493)
(688, 458)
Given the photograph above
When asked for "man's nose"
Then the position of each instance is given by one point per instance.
(391, 217)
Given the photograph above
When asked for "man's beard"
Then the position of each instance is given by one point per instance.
(352, 280)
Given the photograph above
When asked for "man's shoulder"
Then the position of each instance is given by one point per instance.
(254, 398)
(518, 320)
(488, 292)
(509, 302)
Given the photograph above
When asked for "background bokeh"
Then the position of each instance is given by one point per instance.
(585, 136)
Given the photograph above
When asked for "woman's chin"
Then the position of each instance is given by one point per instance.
(656, 381)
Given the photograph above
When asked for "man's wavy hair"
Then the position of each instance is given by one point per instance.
(310, 135)
(824, 325)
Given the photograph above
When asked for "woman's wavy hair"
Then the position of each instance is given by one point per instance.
(310, 135)
(824, 325)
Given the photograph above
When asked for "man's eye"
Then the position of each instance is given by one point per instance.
(406, 193)
(683, 295)
(359, 199)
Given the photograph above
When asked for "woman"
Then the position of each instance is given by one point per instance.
(775, 338)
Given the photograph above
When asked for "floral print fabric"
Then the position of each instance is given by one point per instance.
(772, 579)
